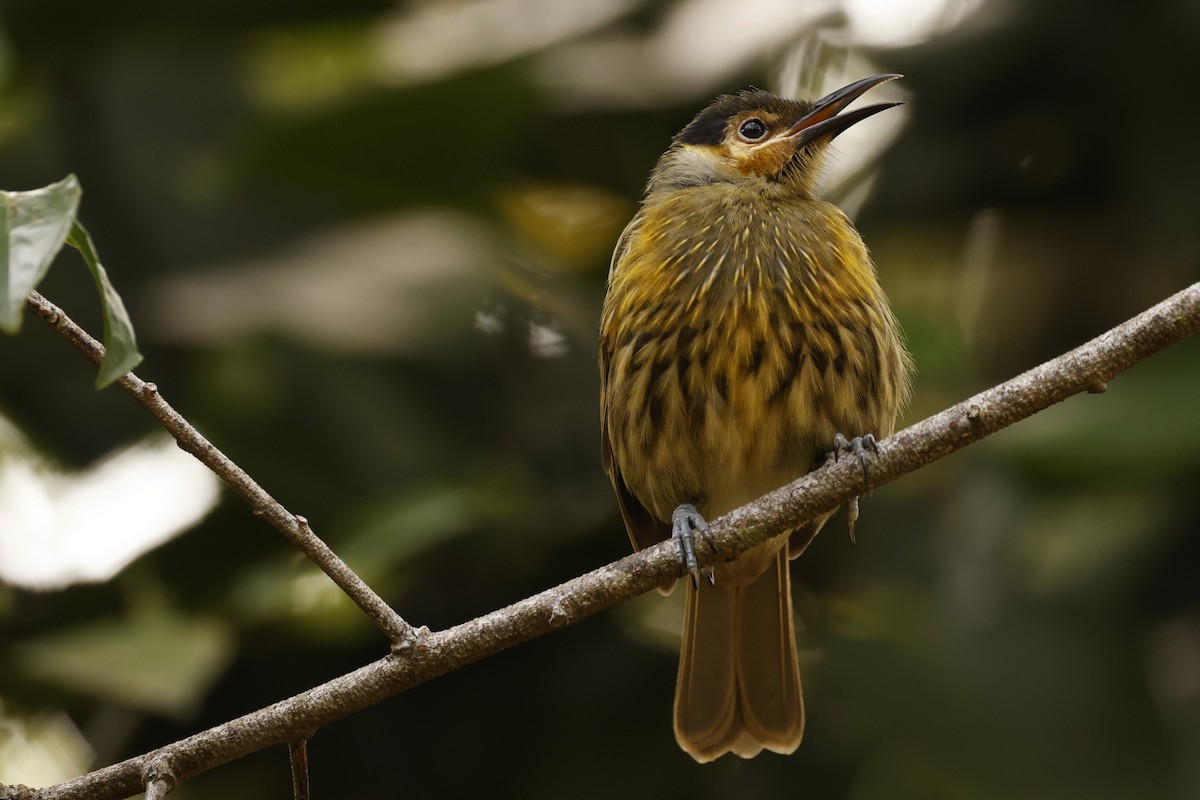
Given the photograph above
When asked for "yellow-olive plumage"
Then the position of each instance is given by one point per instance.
(743, 329)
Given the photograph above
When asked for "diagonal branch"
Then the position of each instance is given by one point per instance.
(293, 526)
(1086, 368)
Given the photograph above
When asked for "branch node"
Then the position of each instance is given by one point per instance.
(414, 637)
(302, 524)
(158, 777)
(559, 616)
(149, 389)
(1097, 386)
(969, 420)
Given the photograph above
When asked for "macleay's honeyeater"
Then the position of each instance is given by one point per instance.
(744, 331)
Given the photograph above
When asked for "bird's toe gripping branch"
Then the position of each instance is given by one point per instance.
(864, 448)
(686, 522)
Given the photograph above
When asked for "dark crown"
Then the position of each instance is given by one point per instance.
(709, 126)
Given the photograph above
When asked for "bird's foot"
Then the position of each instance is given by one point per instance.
(863, 448)
(860, 447)
(686, 522)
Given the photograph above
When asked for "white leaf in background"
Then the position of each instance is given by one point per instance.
(60, 528)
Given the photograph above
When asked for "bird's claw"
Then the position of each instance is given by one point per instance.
(685, 523)
(859, 447)
(851, 516)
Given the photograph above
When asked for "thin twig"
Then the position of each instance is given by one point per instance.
(294, 527)
(298, 753)
(1086, 368)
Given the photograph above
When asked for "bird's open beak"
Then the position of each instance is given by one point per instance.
(824, 120)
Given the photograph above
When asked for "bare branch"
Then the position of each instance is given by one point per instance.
(294, 527)
(1086, 368)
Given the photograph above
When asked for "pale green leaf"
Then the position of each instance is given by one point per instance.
(33, 227)
(163, 663)
(120, 346)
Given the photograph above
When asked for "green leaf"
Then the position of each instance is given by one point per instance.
(164, 662)
(33, 227)
(120, 346)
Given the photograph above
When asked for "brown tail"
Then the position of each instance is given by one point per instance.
(739, 681)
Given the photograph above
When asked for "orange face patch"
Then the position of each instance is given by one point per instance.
(766, 158)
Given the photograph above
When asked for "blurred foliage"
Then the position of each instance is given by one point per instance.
(364, 246)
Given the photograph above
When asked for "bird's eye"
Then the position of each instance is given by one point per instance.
(752, 129)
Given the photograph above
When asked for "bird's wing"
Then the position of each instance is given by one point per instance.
(644, 530)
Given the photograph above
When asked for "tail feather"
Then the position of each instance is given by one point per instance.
(768, 672)
(738, 688)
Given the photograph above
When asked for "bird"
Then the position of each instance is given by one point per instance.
(744, 334)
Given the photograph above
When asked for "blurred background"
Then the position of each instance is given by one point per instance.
(364, 246)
